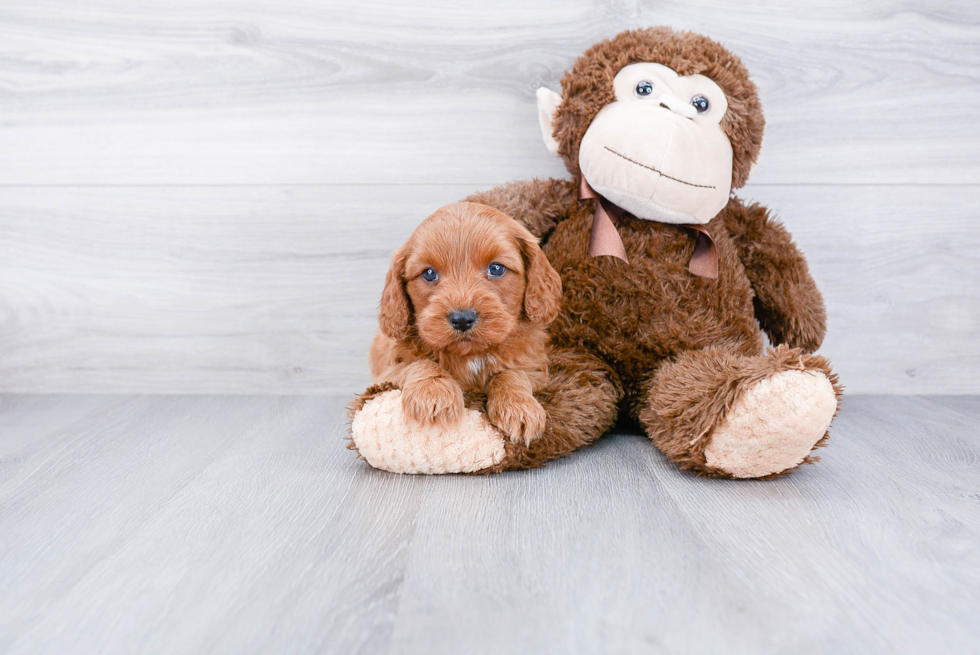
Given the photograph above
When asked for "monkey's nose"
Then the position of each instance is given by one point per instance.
(462, 320)
(678, 106)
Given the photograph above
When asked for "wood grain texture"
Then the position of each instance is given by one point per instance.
(246, 92)
(201, 196)
(241, 525)
(275, 289)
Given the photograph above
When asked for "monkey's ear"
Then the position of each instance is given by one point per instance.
(548, 102)
(542, 293)
(395, 310)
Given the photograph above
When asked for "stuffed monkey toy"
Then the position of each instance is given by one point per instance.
(669, 281)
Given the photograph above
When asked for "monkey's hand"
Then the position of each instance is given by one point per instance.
(788, 304)
(512, 408)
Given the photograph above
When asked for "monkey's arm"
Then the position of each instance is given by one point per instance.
(788, 304)
(538, 204)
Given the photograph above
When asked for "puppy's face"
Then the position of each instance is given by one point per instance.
(469, 275)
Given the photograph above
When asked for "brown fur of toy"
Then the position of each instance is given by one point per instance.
(580, 399)
(689, 396)
(638, 317)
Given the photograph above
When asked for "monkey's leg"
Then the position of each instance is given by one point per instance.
(387, 439)
(580, 399)
(735, 416)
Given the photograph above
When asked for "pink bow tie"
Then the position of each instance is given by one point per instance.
(606, 240)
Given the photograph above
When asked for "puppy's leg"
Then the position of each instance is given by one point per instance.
(511, 406)
(429, 394)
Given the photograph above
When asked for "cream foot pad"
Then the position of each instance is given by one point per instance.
(388, 440)
(774, 425)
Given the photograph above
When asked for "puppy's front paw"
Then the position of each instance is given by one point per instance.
(434, 400)
(519, 416)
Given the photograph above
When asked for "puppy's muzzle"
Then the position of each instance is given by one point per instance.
(462, 320)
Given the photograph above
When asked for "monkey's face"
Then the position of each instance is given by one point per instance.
(659, 151)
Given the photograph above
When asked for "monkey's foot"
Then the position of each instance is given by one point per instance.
(774, 425)
(389, 440)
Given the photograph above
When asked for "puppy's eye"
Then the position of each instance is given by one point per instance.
(496, 270)
(643, 89)
(700, 103)
(430, 275)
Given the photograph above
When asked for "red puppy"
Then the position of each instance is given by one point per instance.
(465, 304)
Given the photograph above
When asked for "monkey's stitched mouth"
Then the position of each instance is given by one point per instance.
(651, 168)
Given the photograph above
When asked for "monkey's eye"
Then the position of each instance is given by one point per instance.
(643, 89)
(430, 275)
(700, 103)
(495, 270)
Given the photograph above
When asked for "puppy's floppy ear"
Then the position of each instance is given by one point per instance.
(395, 309)
(542, 293)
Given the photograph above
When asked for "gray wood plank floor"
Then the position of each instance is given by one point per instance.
(235, 524)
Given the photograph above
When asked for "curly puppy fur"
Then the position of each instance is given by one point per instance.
(503, 353)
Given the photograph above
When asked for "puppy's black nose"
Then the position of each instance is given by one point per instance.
(462, 320)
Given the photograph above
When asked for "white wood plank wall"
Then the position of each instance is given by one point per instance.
(201, 196)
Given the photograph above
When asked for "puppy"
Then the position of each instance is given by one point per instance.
(465, 305)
